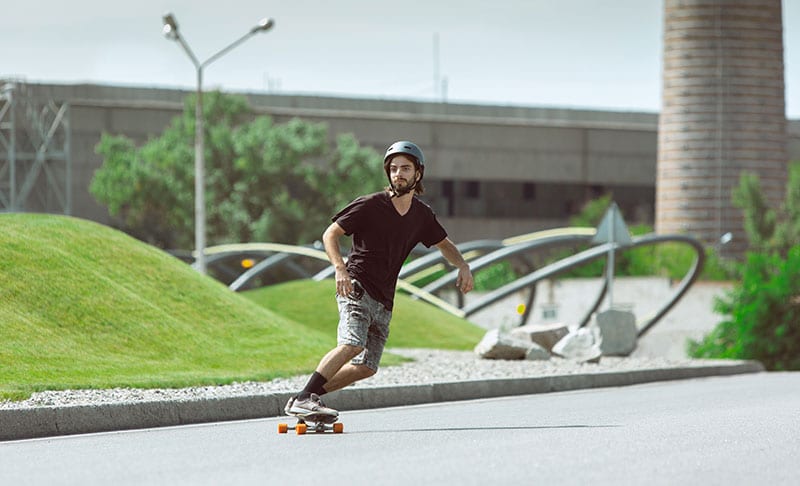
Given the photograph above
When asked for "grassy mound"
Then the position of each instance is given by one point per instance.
(85, 306)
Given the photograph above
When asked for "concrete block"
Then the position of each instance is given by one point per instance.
(618, 328)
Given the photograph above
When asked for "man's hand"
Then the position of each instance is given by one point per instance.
(330, 238)
(344, 284)
(464, 281)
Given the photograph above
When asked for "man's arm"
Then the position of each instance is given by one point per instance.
(464, 282)
(330, 238)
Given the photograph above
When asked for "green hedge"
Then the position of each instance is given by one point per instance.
(763, 315)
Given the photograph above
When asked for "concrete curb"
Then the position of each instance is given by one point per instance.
(55, 421)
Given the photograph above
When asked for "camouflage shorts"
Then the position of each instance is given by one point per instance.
(363, 322)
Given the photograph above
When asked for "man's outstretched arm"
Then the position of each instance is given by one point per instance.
(464, 282)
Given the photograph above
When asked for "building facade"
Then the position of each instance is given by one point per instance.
(491, 172)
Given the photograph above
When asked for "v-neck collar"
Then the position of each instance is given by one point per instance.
(396, 210)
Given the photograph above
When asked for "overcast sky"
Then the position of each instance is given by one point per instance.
(565, 53)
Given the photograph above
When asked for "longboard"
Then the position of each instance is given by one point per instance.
(313, 423)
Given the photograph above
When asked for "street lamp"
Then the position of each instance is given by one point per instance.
(171, 32)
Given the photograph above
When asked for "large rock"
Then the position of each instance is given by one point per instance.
(581, 345)
(545, 335)
(619, 332)
(496, 345)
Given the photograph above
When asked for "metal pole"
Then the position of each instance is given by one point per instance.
(199, 178)
(610, 272)
(171, 32)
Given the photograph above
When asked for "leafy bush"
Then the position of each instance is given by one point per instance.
(763, 312)
(763, 315)
(770, 230)
(490, 278)
(495, 276)
(673, 260)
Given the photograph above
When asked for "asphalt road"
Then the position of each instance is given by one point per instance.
(743, 429)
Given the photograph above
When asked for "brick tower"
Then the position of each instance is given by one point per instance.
(723, 112)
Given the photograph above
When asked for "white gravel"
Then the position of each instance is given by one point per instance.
(429, 366)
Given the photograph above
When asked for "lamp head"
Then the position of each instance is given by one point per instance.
(263, 25)
(170, 26)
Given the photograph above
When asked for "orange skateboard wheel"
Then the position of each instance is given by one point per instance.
(338, 428)
(301, 429)
(283, 428)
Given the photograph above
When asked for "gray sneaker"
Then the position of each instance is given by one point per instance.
(289, 404)
(310, 406)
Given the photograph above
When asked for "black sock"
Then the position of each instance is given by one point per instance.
(315, 385)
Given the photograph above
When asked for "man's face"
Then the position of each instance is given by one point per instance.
(402, 172)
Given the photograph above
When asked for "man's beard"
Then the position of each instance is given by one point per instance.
(399, 190)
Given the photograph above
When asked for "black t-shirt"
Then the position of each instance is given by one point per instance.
(382, 240)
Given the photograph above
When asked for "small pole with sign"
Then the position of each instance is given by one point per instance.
(614, 231)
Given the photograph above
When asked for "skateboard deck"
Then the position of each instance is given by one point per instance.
(313, 423)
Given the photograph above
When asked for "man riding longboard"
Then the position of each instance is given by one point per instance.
(385, 227)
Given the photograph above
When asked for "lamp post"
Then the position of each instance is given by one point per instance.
(171, 32)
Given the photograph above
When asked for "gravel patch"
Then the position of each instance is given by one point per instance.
(429, 366)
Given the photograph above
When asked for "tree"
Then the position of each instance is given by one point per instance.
(759, 218)
(264, 181)
(763, 311)
(788, 232)
(769, 230)
(762, 315)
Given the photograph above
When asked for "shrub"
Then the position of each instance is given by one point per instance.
(495, 276)
(763, 315)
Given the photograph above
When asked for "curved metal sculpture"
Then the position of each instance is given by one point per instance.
(595, 253)
(277, 253)
(480, 254)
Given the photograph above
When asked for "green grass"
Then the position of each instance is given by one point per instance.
(85, 306)
(414, 324)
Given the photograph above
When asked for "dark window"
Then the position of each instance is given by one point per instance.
(447, 189)
(448, 195)
(472, 189)
(529, 191)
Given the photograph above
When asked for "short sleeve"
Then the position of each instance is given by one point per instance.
(351, 216)
(434, 232)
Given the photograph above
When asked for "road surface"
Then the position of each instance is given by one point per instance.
(743, 429)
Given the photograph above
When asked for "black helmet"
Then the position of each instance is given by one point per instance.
(411, 149)
(407, 148)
